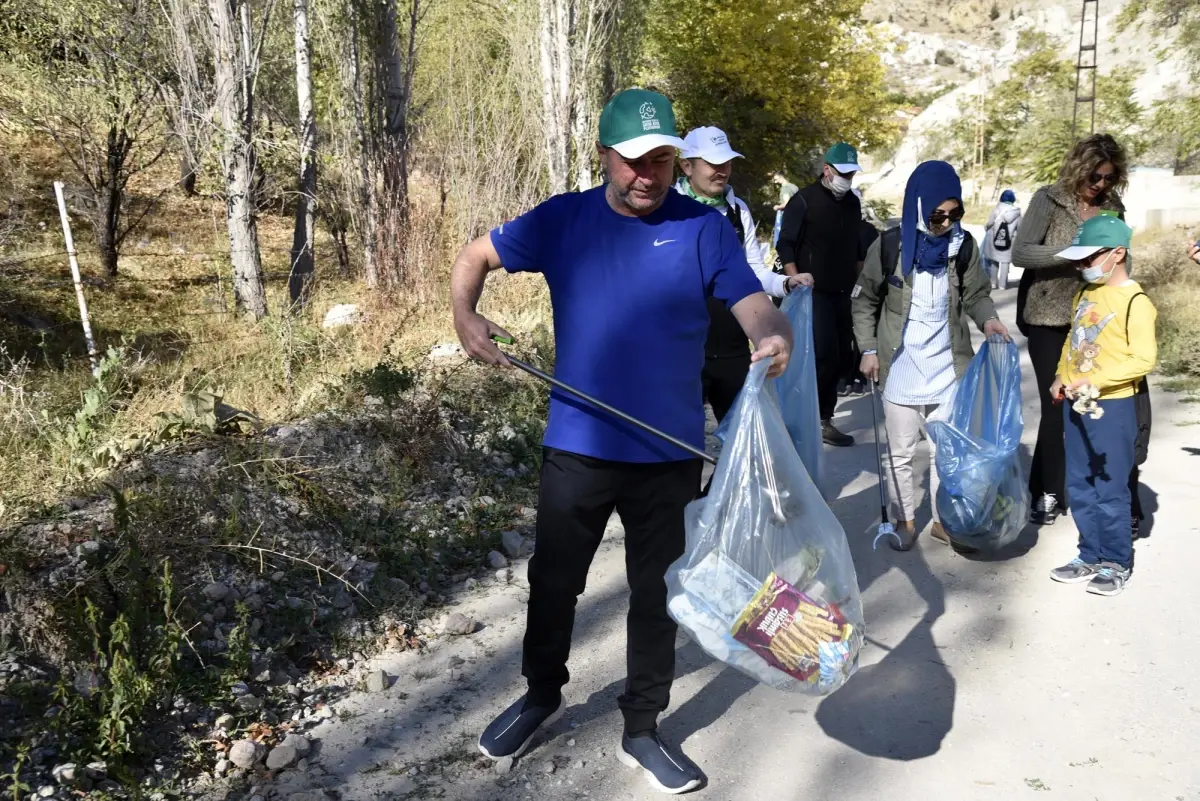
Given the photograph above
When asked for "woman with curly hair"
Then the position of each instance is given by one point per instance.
(1090, 183)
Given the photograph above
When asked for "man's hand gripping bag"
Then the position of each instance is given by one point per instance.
(766, 583)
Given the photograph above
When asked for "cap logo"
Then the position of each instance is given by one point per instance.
(720, 140)
(649, 117)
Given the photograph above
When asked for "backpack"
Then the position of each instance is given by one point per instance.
(1141, 402)
(1002, 240)
(734, 215)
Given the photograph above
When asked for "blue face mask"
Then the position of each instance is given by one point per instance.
(1095, 274)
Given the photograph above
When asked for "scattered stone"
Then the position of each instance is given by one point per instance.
(496, 560)
(87, 683)
(470, 584)
(281, 756)
(294, 691)
(579, 763)
(341, 314)
(46, 791)
(66, 774)
(222, 767)
(308, 795)
(548, 767)
(245, 753)
(511, 543)
(504, 576)
(571, 743)
(96, 770)
(249, 703)
(225, 722)
(240, 688)
(301, 744)
(378, 681)
(503, 766)
(458, 624)
(446, 350)
(215, 592)
(278, 575)
(325, 713)
(456, 662)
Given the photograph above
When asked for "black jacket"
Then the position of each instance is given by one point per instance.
(820, 235)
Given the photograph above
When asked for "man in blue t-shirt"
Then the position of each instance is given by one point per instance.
(630, 266)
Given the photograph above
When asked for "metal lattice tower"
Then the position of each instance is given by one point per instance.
(1085, 69)
(980, 132)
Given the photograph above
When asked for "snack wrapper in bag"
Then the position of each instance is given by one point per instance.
(797, 387)
(983, 500)
(762, 539)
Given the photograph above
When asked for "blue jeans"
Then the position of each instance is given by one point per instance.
(1099, 461)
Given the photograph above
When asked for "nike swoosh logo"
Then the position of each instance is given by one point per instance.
(658, 243)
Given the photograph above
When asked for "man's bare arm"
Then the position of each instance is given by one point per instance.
(467, 278)
(767, 328)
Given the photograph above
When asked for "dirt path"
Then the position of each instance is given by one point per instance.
(984, 679)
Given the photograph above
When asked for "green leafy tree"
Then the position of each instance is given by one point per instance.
(783, 78)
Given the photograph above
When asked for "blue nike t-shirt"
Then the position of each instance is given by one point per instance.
(630, 314)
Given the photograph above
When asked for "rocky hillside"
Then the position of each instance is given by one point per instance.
(941, 66)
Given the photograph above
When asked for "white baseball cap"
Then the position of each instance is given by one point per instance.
(710, 144)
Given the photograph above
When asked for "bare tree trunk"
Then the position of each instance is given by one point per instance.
(184, 112)
(395, 102)
(236, 66)
(554, 44)
(109, 195)
(300, 277)
(369, 204)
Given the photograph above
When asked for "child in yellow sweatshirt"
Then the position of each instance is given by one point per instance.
(1110, 349)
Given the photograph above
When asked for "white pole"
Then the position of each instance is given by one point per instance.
(83, 311)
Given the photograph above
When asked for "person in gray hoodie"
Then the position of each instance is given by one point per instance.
(1090, 183)
(999, 234)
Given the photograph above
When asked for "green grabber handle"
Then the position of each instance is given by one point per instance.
(599, 404)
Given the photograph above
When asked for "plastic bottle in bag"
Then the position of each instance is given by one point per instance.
(982, 499)
(766, 583)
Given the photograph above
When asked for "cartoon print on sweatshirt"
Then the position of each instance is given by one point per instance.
(1084, 332)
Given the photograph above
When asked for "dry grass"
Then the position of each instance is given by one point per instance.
(170, 306)
(1170, 279)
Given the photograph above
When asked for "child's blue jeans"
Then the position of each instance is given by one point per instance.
(1099, 460)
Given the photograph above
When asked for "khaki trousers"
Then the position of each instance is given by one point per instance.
(905, 430)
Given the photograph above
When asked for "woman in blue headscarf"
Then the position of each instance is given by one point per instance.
(921, 287)
(999, 235)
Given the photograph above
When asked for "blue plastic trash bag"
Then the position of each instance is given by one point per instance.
(983, 500)
(797, 387)
(766, 583)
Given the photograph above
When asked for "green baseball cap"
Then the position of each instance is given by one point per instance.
(636, 121)
(842, 157)
(1102, 232)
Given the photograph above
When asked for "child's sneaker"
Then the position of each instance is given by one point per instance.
(1076, 571)
(1109, 580)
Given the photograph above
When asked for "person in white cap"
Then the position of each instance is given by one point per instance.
(707, 163)
(629, 266)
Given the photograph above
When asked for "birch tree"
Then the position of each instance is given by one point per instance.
(572, 36)
(236, 63)
(300, 276)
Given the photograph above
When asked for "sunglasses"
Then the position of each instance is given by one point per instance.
(939, 217)
(1109, 179)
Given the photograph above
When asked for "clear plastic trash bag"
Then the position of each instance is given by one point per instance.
(797, 387)
(766, 583)
(983, 500)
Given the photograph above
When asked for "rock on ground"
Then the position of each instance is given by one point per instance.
(245, 753)
(496, 560)
(299, 742)
(281, 756)
(378, 681)
(511, 543)
(458, 624)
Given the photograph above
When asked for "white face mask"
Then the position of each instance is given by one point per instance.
(1095, 274)
(839, 185)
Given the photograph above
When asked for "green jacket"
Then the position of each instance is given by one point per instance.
(970, 299)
